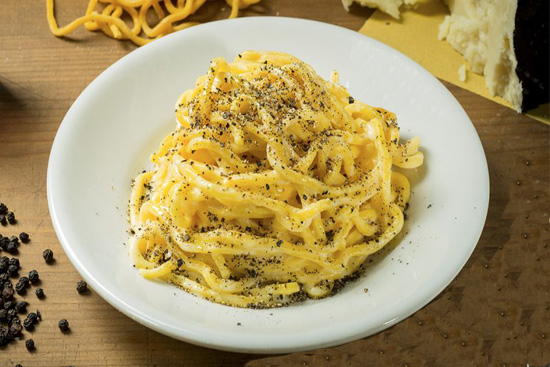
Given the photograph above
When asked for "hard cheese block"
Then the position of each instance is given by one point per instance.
(416, 35)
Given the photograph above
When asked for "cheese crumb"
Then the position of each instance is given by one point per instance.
(462, 73)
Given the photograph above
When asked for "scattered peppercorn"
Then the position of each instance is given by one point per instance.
(21, 306)
(29, 344)
(15, 329)
(28, 324)
(13, 270)
(24, 281)
(47, 255)
(82, 287)
(24, 237)
(33, 277)
(11, 218)
(39, 292)
(12, 247)
(63, 325)
(3, 219)
(351, 100)
(19, 365)
(3, 208)
(20, 288)
(7, 293)
(15, 261)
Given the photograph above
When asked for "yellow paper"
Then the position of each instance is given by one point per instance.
(415, 35)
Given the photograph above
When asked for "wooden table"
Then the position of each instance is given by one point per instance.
(496, 312)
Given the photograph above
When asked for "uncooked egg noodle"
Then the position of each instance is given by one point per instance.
(128, 19)
(275, 186)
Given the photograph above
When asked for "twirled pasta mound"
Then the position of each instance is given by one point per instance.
(275, 186)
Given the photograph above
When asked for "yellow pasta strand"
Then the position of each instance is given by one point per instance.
(275, 186)
(111, 19)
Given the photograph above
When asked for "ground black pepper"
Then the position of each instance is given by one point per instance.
(82, 287)
(63, 325)
(48, 255)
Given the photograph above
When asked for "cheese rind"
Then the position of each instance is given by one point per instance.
(487, 33)
(483, 31)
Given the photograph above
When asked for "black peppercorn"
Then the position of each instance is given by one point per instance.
(24, 237)
(20, 288)
(13, 270)
(63, 325)
(12, 247)
(19, 365)
(3, 208)
(11, 314)
(33, 276)
(82, 287)
(4, 242)
(3, 219)
(14, 239)
(5, 336)
(32, 317)
(28, 324)
(11, 218)
(29, 344)
(21, 306)
(3, 267)
(8, 305)
(24, 281)
(39, 292)
(14, 320)
(15, 329)
(7, 293)
(3, 316)
(14, 261)
(47, 255)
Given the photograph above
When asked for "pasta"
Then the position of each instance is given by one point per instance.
(171, 16)
(275, 186)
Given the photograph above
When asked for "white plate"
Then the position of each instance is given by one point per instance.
(118, 121)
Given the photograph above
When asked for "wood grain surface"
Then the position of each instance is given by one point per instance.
(496, 312)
